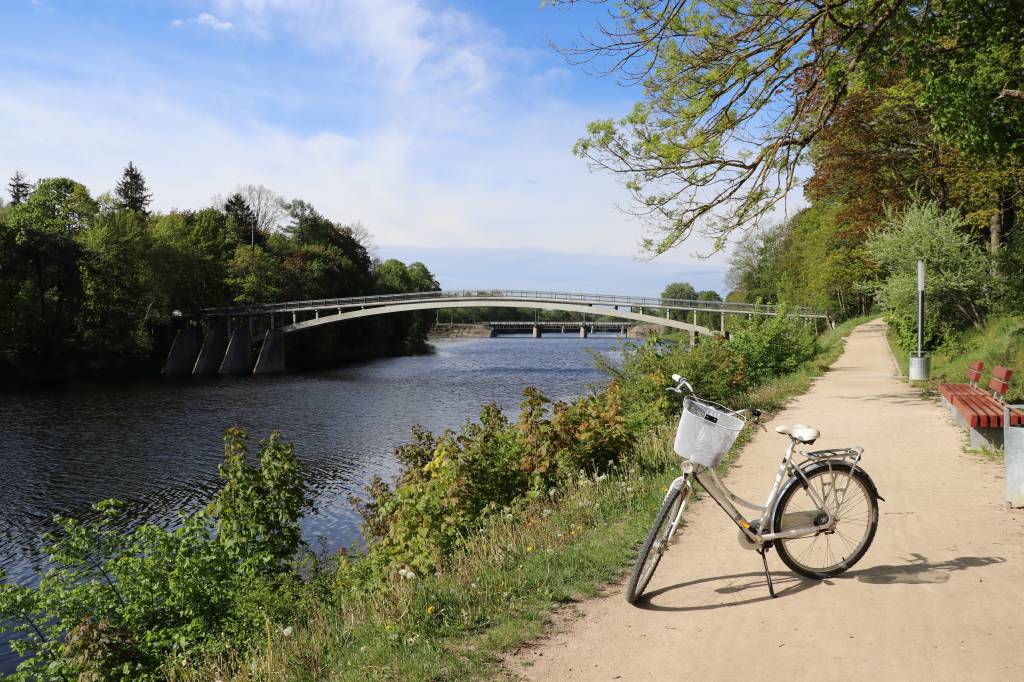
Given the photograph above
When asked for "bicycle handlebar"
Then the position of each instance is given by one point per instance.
(683, 383)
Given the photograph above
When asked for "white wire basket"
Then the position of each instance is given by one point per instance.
(706, 432)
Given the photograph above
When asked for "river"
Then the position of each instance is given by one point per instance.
(156, 443)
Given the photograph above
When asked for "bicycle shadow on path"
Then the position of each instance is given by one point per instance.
(918, 571)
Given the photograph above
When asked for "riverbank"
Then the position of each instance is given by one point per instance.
(500, 587)
(907, 610)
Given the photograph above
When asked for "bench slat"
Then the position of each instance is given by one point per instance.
(1002, 373)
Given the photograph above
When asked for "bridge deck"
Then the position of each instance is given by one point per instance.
(488, 296)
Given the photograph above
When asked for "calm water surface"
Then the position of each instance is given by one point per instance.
(156, 444)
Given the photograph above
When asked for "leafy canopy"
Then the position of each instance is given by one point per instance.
(736, 91)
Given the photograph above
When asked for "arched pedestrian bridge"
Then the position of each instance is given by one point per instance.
(225, 344)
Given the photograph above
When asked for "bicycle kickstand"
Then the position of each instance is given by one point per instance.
(767, 573)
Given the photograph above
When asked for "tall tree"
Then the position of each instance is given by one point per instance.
(239, 213)
(267, 207)
(736, 91)
(131, 190)
(19, 187)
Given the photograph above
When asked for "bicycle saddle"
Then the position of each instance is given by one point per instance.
(799, 432)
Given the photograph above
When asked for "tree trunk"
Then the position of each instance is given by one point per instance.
(1000, 225)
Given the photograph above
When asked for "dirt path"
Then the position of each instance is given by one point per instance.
(939, 595)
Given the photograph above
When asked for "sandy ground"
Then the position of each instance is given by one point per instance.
(939, 595)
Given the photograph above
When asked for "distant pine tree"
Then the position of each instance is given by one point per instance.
(19, 188)
(243, 217)
(131, 190)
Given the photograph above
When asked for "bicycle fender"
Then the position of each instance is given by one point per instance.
(811, 467)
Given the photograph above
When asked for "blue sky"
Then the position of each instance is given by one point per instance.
(445, 127)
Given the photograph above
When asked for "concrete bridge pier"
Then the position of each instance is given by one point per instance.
(536, 331)
(215, 341)
(583, 331)
(238, 358)
(183, 352)
(271, 358)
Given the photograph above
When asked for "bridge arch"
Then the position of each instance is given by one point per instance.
(416, 306)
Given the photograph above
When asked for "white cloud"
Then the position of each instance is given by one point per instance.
(410, 45)
(206, 20)
(446, 161)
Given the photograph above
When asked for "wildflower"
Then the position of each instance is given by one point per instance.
(406, 573)
(430, 610)
(288, 631)
(529, 549)
(546, 513)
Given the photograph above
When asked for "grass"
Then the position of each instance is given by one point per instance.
(500, 589)
(999, 342)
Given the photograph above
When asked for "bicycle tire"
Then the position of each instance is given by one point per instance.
(657, 540)
(794, 552)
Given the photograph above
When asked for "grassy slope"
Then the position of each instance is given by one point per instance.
(999, 342)
(502, 586)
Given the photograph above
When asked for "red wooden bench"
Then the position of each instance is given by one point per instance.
(970, 388)
(981, 412)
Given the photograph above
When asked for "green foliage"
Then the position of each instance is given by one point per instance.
(771, 346)
(123, 605)
(958, 273)
(115, 283)
(258, 509)
(451, 484)
(19, 188)
(719, 370)
(131, 191)
(90, 286)
(680, 290)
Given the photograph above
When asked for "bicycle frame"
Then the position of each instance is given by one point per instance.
(755, 530)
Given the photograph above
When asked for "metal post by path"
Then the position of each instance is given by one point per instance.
(920, 364)
(920, 307)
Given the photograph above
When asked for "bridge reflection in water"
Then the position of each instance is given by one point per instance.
(223, 343)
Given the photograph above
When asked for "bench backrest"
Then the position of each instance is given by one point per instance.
(1000, 381)
(974, 372)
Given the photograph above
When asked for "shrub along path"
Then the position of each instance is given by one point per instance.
(939, 595)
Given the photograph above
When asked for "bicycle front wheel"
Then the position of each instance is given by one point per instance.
(837, 491)
(665, 523)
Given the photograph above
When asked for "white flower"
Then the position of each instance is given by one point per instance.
(406, 573)
(546, 513)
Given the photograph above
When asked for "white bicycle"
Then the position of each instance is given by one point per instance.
(821, 514)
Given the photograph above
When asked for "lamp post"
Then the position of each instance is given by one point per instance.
(920, 364)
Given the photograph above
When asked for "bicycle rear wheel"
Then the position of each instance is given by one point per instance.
(849, 498)
(665, 523)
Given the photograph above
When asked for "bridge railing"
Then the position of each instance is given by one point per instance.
(483, 295)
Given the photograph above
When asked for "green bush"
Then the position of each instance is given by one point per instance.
(958, 286)
(719, 370)
(118, 605)
(770, 346)
(451, 483)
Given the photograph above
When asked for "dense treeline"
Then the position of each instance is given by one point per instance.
(91, 284)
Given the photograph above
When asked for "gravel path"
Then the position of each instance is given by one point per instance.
(939, 595)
